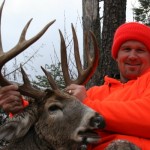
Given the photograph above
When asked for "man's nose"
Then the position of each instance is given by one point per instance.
(133, 54)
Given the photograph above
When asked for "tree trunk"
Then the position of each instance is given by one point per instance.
(91, 22)
(114, 15)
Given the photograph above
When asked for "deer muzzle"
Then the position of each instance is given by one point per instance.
(97, 122)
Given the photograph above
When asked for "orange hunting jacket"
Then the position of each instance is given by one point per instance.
(126, 109)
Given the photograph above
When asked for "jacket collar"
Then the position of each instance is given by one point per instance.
(110, 81)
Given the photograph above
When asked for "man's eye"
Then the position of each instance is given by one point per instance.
(140, 50)
(126, 49)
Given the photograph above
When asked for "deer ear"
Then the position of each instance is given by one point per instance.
(17, 127)
(9, 131)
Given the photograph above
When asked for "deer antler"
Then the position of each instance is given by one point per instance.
(26, 88)
(83, 75)
(20, 47)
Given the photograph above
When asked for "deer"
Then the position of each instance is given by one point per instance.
(54, 119)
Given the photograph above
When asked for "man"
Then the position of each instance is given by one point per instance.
(124, 103)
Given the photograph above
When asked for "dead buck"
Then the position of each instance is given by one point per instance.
(55, 120)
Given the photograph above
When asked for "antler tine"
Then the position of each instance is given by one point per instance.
(76, 51)
(27, 89)
(64, 63)
(83, 75)
(50, 80)
(27, 43)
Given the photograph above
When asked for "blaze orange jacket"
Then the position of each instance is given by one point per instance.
(126, 109)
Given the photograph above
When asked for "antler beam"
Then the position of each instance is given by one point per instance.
(20, 47)
(83, 75)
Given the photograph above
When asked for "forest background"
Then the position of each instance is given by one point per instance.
(101, 17)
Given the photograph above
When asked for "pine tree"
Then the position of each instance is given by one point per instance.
(142, 13)
(56, 72)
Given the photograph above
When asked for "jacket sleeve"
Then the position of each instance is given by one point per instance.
(123, 117)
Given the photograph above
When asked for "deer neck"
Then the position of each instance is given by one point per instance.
(41, 143)
(44, 145)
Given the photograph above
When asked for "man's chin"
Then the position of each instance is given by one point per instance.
(132, 76)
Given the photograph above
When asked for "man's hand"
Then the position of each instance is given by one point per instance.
(10, 99)
(78, 91)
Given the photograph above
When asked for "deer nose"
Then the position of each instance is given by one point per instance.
(98, 122)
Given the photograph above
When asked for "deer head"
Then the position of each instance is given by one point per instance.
(59, 119)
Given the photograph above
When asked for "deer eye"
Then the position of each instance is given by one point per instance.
(54, 108)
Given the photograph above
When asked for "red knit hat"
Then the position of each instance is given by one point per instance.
(130, 31)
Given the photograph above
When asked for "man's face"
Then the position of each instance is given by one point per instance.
(133, 60)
